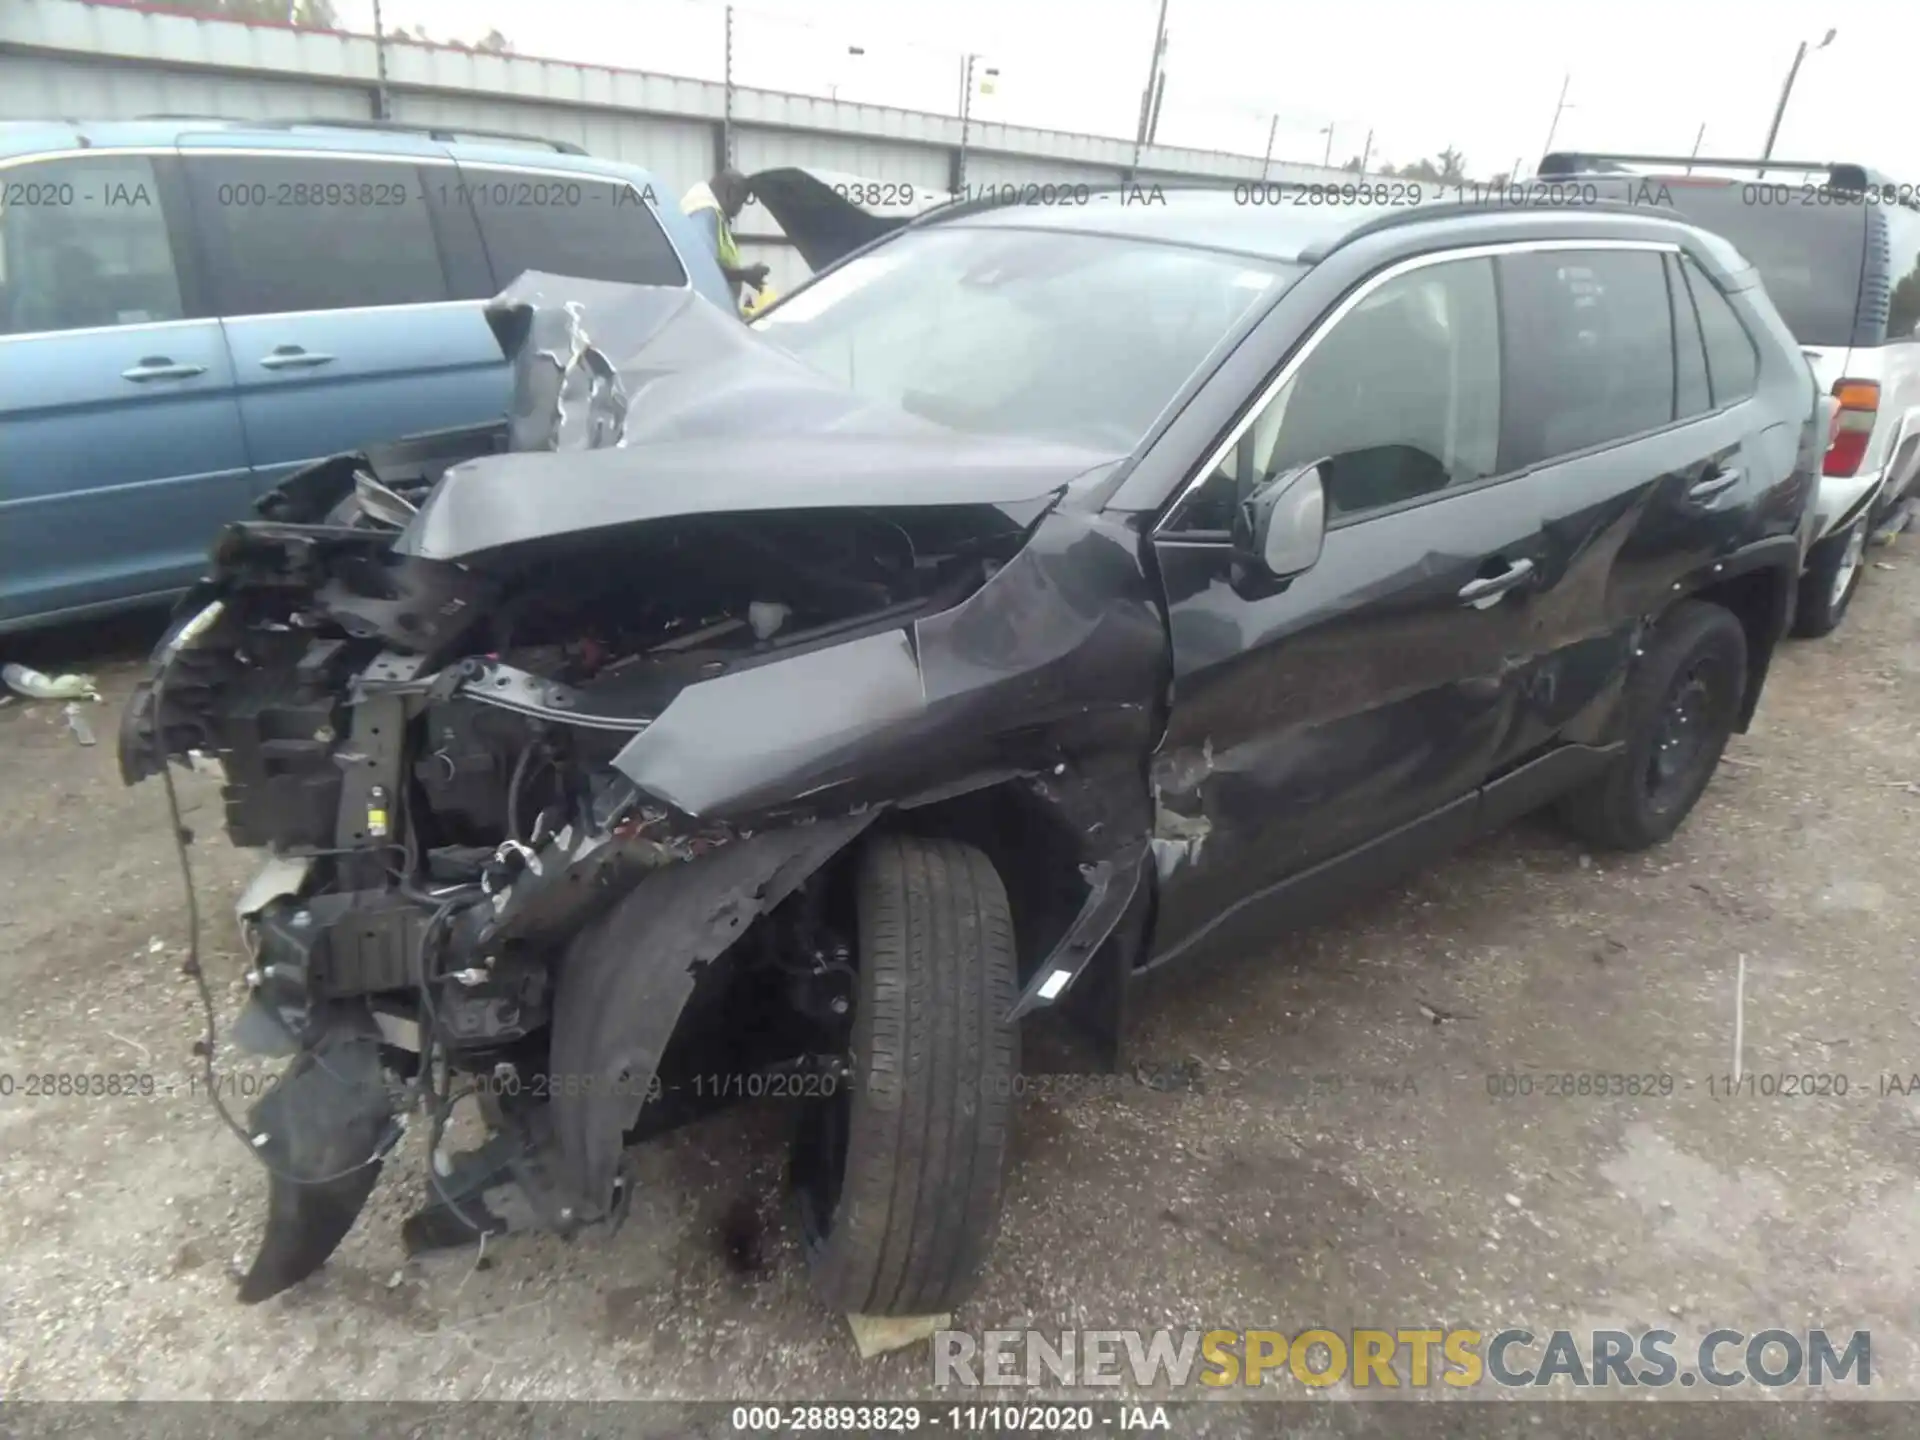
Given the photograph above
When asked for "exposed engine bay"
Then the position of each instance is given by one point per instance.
(552, 729)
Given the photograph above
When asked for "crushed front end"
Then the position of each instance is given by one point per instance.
(552, 759)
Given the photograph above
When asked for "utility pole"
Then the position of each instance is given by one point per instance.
(1153, 75)
(1159, 93)
(1266, 165)
(382, 107)
(966, 118)
(1780, 109)
(1366, 152)
(1694, 154)
(1547, 149)
(726, 120)
(1326, 160)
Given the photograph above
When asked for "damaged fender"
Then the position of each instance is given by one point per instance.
(323, 1132)
(1111, 887)
(626, 978)
(1053, 661)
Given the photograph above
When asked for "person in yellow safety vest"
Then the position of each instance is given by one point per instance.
(713, 205)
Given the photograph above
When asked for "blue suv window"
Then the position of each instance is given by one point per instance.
(568, 224)
(83, 244)
(304, 232)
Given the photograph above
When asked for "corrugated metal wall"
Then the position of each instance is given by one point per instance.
(60, 58)
(987, 169)
(680, 152)
(45, 87)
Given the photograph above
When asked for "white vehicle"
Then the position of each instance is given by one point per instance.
(1838, 248)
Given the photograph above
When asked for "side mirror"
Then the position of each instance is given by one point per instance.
(1281, 526)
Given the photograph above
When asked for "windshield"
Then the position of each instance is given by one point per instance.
(1039, 333)
(1809, 256)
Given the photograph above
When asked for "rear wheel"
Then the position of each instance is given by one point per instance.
(1679, 709)
(1832, 575)
(898, 1174)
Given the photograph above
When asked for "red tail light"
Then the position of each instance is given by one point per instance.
(1852, 425)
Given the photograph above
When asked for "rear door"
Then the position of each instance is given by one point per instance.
(351, 304)
(120, 443)
(1642, 470)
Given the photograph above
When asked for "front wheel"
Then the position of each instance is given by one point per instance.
(898, 1174)
(1678, 711)
(1834, 567)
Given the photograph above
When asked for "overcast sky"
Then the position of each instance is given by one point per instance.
(1480, 75)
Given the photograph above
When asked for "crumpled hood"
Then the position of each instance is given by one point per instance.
(635, 403)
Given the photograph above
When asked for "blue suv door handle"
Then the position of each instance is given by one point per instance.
(161, 367)
(293, 357)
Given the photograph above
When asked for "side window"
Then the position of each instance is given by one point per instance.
(1401, 398)
(1690, 393)
(1733, 365)
(1590, 345)
(306, 232)
(584, 225)
(1903, 308)
(83, 243)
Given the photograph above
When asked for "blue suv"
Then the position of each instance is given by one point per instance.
(191, 309)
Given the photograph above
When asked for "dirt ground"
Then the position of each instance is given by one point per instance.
(1333, 1156)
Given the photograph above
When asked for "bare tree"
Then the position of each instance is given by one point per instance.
(307, 14)
(1449, 167)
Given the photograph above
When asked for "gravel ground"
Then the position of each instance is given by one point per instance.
(1332, 1155)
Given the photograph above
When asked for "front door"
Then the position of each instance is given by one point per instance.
(120, 445)
(1366, 699)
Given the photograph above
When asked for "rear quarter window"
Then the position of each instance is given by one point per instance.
(1733, 362)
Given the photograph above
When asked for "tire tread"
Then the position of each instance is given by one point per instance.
(932, 1096)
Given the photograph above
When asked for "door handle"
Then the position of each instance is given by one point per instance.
(293, 357)
(161, 367)
(1484, 591)
(1715, 483)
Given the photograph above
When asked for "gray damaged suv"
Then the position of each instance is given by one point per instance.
(1038, 598)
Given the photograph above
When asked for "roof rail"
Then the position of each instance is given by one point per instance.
(447, 134)
(997, 197)
(1841, 174)
(1416, 214)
